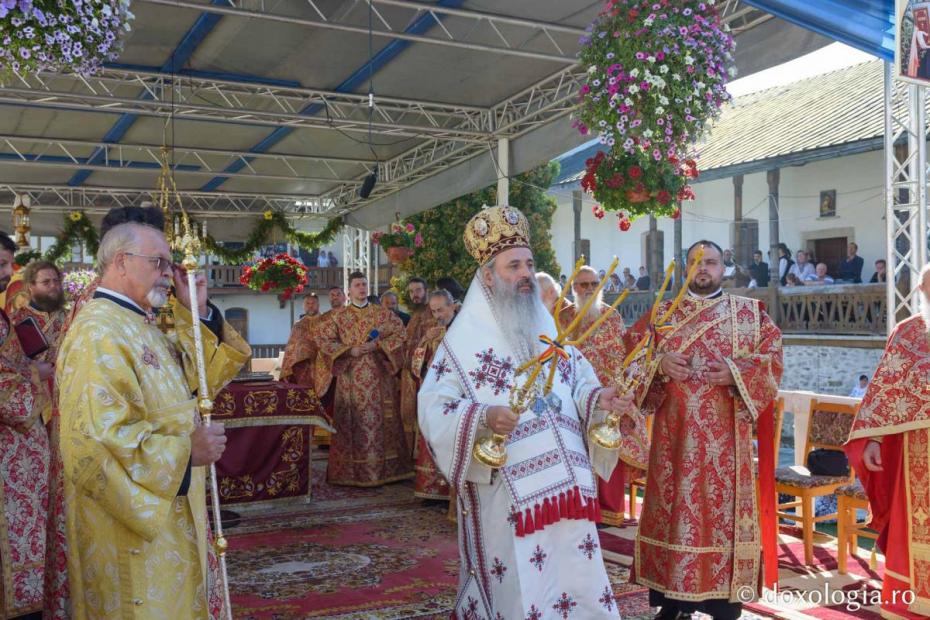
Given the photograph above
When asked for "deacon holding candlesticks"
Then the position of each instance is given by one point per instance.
(713, 376)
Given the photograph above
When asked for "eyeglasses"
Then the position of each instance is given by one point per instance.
(161, 263)
(583, 285)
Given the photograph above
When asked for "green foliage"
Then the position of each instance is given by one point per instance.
(443, 252)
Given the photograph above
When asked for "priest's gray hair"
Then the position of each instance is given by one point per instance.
(444, 294)
(120, 239)
(547, 282)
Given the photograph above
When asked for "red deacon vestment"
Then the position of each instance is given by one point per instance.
(896, 411)
(24, 460)
(698, 537)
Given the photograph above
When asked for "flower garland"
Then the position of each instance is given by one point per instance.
(280, 273)
(77, 35)
(259, 237)
(77, 228)
(656, 77)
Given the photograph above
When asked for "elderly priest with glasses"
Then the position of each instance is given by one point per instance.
(133, 447)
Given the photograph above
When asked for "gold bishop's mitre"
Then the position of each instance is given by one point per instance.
(495, 229)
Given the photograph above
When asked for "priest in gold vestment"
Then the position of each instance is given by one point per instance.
(301, 351)
(133, 448)
(715, 376)
(421, 320)
(24, 461)
(362, 348)
(605, 351)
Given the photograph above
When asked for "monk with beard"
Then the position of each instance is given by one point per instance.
(421, 320)
(605, 350)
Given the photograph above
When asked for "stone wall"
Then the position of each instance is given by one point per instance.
(826, 369)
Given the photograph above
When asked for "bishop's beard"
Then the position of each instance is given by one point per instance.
(522, 315)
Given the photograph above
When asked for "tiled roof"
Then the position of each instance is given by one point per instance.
(828, 110)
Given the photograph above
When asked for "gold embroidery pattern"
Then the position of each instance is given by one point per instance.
(263, 401)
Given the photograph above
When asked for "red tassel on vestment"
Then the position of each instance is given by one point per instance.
(563, 506)
(538, 517)
(528, 526)
(579, 509)
(592, 512)
(547, 512)
(519, 519)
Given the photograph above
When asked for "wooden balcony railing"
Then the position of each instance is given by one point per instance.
(840, 309)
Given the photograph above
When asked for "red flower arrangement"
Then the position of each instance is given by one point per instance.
(280, 273)
(619, 183)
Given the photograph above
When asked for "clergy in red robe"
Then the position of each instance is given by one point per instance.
(429, 482)
(889, 448)
(421, 321)
(362, 348)
(717, 367)
(301, 350)
(24, 461)
(605, 350)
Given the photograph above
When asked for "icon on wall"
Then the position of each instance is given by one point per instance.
(912, 37)
(828, 203)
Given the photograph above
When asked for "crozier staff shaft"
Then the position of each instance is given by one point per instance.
(190, 245)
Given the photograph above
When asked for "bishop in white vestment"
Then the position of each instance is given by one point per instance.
(528, 544)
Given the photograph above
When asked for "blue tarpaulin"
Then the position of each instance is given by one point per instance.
(867, 25)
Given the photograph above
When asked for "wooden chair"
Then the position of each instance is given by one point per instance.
(828, 428)
(850, 498)
(638, 476)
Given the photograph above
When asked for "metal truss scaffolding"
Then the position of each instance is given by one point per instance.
(905, 194)
(356, 248)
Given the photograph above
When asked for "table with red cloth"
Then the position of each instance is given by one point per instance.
(269, 434)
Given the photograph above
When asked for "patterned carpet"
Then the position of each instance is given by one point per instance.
(381, 553)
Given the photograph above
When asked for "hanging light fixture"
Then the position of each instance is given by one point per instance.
(21, 209)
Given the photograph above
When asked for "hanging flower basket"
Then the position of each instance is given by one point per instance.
(78, 36)
(398, 254)
(656, 78)
(281, 274)
(400, 243)
(635, 184)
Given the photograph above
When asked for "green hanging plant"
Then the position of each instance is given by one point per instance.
(259, 237)
(77, 228)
